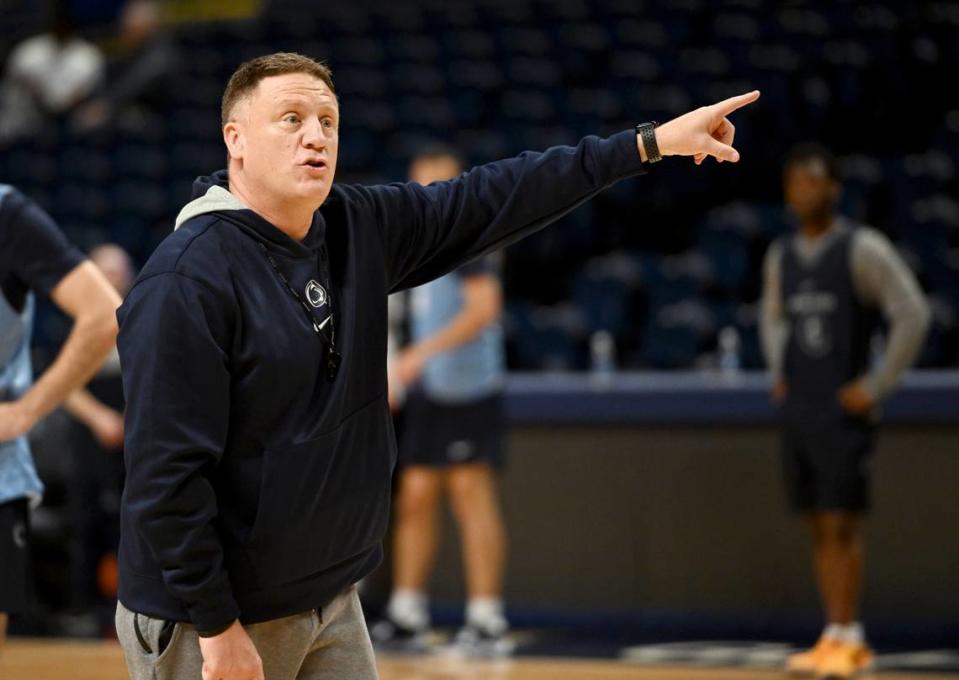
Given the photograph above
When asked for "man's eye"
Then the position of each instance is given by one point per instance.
(292, 119)
(328, 123)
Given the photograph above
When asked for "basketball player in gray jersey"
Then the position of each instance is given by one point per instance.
(821, 289)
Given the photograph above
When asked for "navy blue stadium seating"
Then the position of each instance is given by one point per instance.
(497, 78)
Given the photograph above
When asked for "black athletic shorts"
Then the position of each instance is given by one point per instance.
(439, 434)
(14, 556)
(827, 461)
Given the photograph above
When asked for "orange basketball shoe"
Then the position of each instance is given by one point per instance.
(808, 662)
(845, 660)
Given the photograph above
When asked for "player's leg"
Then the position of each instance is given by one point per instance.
(855, 560)
(475, 503)
(844, 494)
(799, 476)
(808, 661)
(415, 539)
(416, 528)
(3, 631)
(841, 561)
(474, 453)
(844, 549)
(825, 555)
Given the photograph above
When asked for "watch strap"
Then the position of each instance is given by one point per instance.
(647, 133)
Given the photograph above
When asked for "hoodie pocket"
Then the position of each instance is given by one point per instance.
(324, 500)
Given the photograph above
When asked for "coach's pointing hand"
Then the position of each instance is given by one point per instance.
(231, 655)
(704, 132)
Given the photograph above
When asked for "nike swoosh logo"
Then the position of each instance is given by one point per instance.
(326, 321)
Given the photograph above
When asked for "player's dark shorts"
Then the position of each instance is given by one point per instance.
(827, 461)
(441, 434)
(14, 556)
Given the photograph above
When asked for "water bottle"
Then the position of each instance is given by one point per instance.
(602, 357)
(729, 345)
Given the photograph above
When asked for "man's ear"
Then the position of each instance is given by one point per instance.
(233, 138)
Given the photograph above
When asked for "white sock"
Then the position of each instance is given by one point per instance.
(833, 632)
(409, 608)
(853, 634)
(486, 613)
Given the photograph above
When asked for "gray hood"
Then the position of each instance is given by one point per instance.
(215, 199)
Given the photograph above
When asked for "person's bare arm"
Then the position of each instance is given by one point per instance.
(482, 305)
(105, 423)
(86, 296)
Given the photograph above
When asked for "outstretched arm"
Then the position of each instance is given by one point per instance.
(428, 231)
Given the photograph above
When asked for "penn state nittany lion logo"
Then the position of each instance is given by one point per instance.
(315, 294)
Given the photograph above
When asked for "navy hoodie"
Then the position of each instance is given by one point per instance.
(256, 488)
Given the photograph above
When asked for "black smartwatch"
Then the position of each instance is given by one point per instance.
(647, 132)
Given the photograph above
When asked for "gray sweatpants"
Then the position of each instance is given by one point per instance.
(298, 647)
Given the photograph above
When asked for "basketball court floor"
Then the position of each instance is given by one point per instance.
(27, 659)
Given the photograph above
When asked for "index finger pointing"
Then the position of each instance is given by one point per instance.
(727, 106)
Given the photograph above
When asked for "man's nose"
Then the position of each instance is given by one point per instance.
(313, 136)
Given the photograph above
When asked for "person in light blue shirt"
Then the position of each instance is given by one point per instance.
(452, 373)
(35, 256)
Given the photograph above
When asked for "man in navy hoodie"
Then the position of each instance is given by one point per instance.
(259, 446)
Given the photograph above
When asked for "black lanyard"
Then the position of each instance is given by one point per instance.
(324, 329)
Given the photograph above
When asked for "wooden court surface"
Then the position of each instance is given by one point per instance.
(54, 660)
